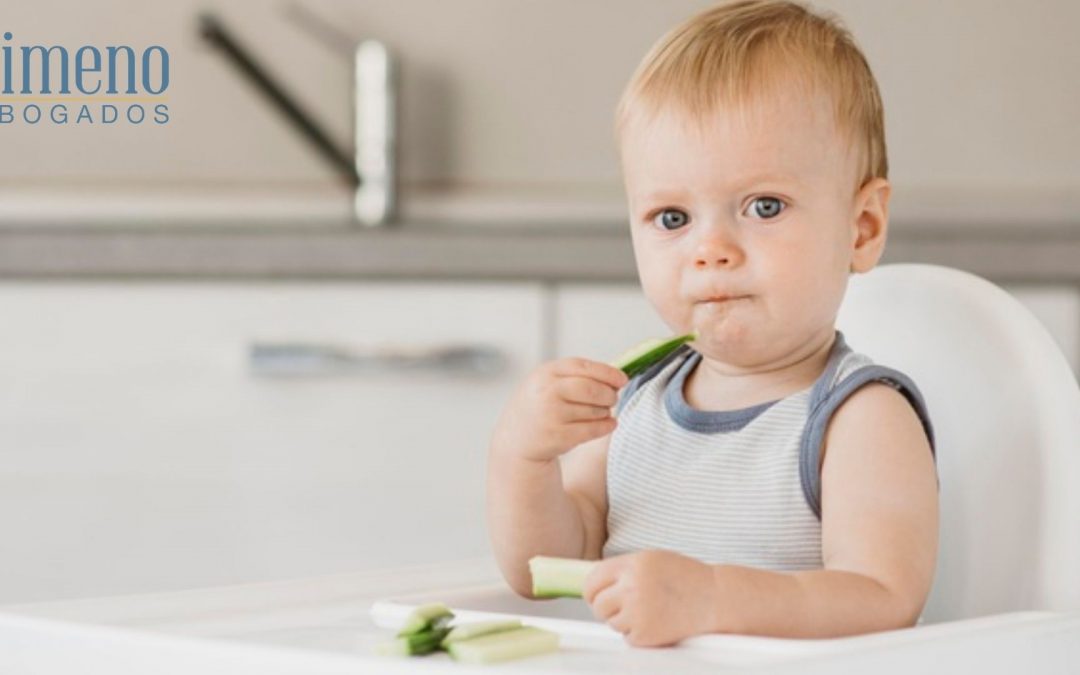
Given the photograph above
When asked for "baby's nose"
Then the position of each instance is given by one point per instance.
(720, 261)
(718, 251)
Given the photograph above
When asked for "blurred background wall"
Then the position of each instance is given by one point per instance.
(514, 98)
(150, 439)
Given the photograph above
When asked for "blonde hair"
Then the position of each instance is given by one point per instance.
(736, 53)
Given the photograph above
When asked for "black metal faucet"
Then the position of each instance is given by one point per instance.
(371, 168)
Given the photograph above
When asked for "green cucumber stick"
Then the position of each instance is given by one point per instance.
(414, 644)
(468, 631)
(426, 617)
(503, 646)
(559, 577)
(643, 355)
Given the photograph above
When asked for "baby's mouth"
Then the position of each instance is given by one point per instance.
(722, 299)
(715, 310)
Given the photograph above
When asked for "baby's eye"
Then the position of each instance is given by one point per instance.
(671, 219)
(768, 207)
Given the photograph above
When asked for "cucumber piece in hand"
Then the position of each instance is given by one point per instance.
(426, 617)
(414, 644)
(503, 646)
(468, 631)
(559, 577)
(640, 357)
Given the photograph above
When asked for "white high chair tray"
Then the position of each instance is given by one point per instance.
(330, 625)
(573, 620)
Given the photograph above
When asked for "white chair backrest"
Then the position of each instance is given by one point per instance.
(1005, 407)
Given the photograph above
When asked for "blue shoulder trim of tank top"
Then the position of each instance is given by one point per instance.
(638, 381)
(705, 421)
(713, 421)
(717, 421)
(823, 403)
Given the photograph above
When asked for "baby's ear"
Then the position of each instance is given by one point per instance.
(869, 224)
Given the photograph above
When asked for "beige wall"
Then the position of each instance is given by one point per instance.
(517, 94)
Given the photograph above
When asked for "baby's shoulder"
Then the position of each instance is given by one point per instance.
(849, 371)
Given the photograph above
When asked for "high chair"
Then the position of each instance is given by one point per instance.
(1005, 407)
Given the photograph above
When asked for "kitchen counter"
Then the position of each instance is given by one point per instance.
(554, 252)
(324, 625)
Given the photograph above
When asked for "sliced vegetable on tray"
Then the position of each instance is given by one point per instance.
(428, 629)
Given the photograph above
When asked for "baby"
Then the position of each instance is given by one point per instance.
(752, 149)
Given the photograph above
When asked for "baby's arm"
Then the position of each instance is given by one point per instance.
(585, 480)
(879, 520)
(538, 502)
(879, 544)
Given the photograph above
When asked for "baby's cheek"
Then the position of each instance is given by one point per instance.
(673, 313)
(661, 288)
(815, 296)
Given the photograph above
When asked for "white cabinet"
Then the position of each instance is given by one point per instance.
(601, 321)
(140, 451)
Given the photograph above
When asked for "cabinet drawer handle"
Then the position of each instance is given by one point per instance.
(299, 359)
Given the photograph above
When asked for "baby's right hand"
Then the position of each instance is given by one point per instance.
(560, 405)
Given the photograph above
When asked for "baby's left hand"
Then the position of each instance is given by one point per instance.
(654, 598)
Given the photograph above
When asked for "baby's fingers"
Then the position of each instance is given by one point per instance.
(602, 576)
(581, 412)
(576, 433)
(606, 604)
(620, 622)
(596, 370)
(587, 391)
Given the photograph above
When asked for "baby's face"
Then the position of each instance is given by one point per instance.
(759, 207)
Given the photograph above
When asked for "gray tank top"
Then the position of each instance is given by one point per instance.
(739, 487)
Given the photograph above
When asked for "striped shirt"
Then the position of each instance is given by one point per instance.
(739, 487)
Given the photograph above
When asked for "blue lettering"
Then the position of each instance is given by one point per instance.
(81, 68)
(92, 77)
(112, 69)
(26, 114)
(7, 66)
(142, 114)
(45, 68)
(164, 70)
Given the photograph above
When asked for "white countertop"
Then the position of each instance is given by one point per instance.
(324, 625)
